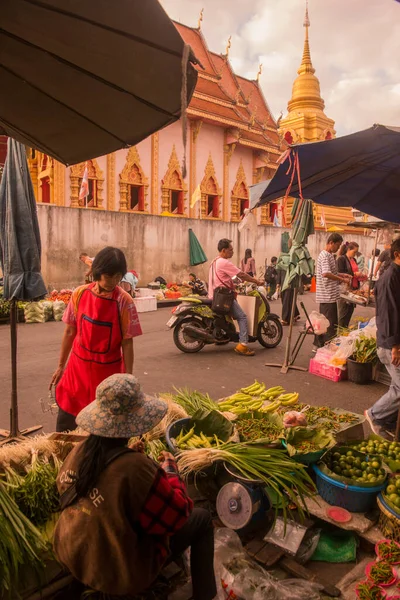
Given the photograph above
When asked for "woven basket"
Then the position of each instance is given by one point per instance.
(389, 522)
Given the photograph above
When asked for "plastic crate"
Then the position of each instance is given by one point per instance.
(326, 371)
(351, 497)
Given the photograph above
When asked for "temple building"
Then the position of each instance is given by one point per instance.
(306, 121)
(233, 142)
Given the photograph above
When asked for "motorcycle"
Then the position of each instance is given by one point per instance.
(195, 325)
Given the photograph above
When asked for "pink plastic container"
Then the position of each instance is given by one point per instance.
(368, 571)
(383, 542)
(383, 593)
(326, 371)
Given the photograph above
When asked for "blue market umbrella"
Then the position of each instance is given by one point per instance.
(197, 256)
(20, 254)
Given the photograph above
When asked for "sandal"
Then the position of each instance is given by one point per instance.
(244, 350)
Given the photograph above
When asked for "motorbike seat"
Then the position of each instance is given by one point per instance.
(206, 301)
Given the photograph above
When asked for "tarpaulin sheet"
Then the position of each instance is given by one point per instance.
(19, 229)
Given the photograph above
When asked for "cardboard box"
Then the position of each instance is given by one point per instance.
(250, 305)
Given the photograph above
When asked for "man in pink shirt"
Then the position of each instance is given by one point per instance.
(222, 271)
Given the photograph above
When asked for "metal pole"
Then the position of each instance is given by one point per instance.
(14, 431)
(285, 365)
(372, 266)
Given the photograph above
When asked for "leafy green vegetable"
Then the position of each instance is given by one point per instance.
(301, 440)
(212, 423)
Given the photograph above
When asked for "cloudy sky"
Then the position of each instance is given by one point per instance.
(355, 49)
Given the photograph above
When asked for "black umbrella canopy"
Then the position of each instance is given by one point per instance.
(19, 229)
(83, 78)
(361, 170)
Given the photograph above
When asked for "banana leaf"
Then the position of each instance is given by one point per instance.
(296, 435)
(211, 423)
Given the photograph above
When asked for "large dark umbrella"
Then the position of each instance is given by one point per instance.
(361, 170)
(82, 78)
(20, 254)
(197, 256)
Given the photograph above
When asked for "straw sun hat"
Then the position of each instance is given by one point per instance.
(121, 409)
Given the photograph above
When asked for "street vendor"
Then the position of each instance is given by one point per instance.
(347, 263)
(382, 416)
(222, 272)
(328, 287)
(122, 513)
(197, 285)
(101, 322)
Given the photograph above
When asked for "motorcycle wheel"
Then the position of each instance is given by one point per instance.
(183, 342)
(270, 332)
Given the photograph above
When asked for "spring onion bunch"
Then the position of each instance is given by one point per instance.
(273, 467)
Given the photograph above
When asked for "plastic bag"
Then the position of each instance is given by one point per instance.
(294, 419)
(319, 322)
(276, 295)
(58, 310)
(344, 350)
(240, 578)
(47, 309)
(34, 312)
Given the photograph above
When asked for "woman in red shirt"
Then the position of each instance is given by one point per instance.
(101, 322)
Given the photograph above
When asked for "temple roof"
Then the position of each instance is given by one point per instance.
(224, 99)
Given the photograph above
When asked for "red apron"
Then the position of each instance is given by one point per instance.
(96, 351)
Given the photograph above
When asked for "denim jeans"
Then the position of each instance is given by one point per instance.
(240, 316)
(384, 411)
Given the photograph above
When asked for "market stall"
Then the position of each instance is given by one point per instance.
(283, 480)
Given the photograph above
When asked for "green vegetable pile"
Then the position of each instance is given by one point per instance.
(381, 572)
(191, 402)
(21, 545)
(388, 451)
(392, 492)
(369, 591)
(192, 440)
(257, 427)
(35, 492)
(389, 551)
(353, 468)
(289, 479)
(329, 418)
(365, 350)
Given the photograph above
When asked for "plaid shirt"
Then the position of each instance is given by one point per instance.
(167, 507)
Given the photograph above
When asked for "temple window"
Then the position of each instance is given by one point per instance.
(213, 206)
(211, 193)
(133, 184)
(173, 188)
(240, 195)
(94, 199)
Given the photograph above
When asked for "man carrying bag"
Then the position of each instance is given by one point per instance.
(222, 291)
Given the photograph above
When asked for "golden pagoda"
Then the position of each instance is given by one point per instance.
(306, 120)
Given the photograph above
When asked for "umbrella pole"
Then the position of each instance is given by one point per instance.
(14, 435)
(372, 267)
(288, 360)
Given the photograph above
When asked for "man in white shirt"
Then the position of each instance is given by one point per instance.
(328, 286)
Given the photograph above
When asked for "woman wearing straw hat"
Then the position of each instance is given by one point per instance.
(122, 513)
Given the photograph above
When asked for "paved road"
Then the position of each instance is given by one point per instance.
(160, 366)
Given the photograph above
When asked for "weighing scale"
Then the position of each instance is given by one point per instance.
(242, 504)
